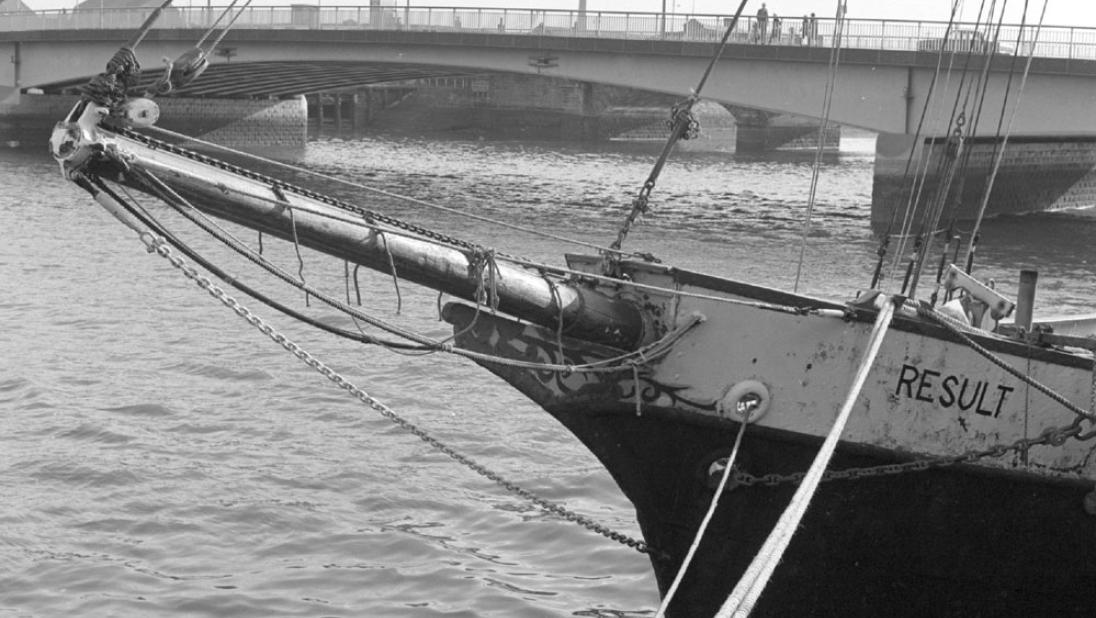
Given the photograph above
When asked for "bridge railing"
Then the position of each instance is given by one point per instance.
(897, 35)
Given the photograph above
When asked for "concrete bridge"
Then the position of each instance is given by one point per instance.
(885, 73)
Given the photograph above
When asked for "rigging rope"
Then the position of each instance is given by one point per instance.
(956, 157)
(921, 173)
(1001, 152)
(682, 125)
(827, 100)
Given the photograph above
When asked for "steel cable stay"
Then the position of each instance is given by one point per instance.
(682, 126)
(999, 152)
(968, 107)
(953, 165)
(827, 100)
(929, 219)
(920, 175)
(947, 168)
(888, 234)
(999, 141)
(193, 62)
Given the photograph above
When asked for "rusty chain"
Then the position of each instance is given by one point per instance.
(1051, 436)
(157, 245)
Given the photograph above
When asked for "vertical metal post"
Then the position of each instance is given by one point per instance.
(1025, 298)
(17, 61)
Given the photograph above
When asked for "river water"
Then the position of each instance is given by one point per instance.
(160, 457)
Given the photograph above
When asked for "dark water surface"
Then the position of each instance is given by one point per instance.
(160, 457)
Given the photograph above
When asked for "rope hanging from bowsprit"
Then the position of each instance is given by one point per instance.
(683, 125)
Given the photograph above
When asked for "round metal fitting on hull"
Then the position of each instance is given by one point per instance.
(746, 401)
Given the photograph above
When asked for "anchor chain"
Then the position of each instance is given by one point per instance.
(158, 245)
(1051, 436)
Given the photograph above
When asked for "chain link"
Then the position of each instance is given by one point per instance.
(157, 245)
(1051, 436)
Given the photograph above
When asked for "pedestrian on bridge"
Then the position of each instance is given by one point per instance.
(762, 23)
(775, 36)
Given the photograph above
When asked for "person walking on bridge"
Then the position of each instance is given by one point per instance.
(775, 36)
(762, 23)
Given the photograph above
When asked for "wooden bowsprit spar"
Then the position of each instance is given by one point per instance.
(279, 209)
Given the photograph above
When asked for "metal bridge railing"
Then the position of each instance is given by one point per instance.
(891, 35)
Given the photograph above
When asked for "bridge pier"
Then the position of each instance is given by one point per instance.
(1036, 174)
(761, 131)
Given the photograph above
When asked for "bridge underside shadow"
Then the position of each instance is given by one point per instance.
(595, 115)
(276, 79)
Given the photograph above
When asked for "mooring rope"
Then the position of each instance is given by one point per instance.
(749, 588)
(728, 472)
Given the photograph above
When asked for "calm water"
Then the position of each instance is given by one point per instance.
(160, 457)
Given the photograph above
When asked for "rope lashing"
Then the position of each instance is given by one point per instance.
(109, 88)
(392, 269)
(483, 267)
(297, 248)
(682, 113)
